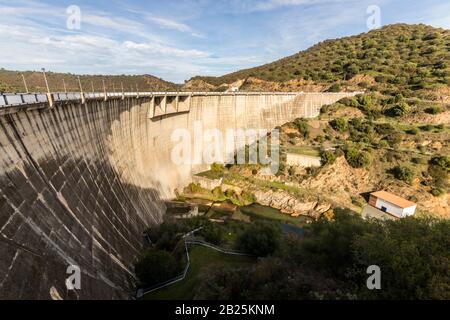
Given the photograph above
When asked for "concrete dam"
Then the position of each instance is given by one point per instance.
(83, 175)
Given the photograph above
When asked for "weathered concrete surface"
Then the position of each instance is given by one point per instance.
(294, 159)
(79, 183)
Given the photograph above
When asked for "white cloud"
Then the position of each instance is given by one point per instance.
(267, 5)
(158, 49)
(169, 24)
(438, 15)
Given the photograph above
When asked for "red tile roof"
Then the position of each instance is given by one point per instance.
(392, 198)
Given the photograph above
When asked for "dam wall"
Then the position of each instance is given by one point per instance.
(83, 175)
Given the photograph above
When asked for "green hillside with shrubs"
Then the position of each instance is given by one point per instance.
(399, 57)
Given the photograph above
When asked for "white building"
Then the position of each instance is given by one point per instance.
(392, 204)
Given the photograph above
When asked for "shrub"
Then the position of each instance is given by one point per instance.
(441, 161)
(334, 88)
(218, 194)
(433, 110)
(4, 87)
(383, 144)
(357, 159)
(412, 131)
(427, 127)
(384, 129)
(155, 266)
(291, 171)
(400, 109)
(365, 101)
(437, 192)
(193, 188)
(394, 139)
(260, 239)
(419, 160)
(165, 236)
(327, 158)
(248, 197)
(217, 167)
(403, 173)
(339, 124)
(212, 233)
(302, 126)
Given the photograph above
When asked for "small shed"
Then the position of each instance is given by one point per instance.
(392, 204)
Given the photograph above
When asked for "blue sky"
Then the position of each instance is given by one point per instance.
(177, 39)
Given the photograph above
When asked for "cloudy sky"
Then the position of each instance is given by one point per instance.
(177, 39)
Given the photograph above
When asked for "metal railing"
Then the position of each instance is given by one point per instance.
(21, 99)
(187, 241)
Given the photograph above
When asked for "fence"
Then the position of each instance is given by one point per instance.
(187, 241)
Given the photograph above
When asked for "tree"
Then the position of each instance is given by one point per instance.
(339, 124)
(400, 109)
(403, 173)
(260, 239)
(3, 87)
(302, 126)
(334, 88)
(357, 159)
(155, 266)
(433, 110)
(327, 158)
(441, 161)
(217, 167)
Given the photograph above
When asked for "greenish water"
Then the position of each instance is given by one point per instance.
(269, 213)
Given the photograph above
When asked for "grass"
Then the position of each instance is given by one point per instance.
(259, 211)
(202, 260)
(210, 174)
(304, 150)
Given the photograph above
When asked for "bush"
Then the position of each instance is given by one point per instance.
(248, 197)
(302, 126)
(400, 109)
(218, 194)
(433, 110)
(412, 131)
(291, 171)
(441, 161)
(427, 127)
(327, 158)
(166, 235)
(212, 233)
(217, 167)
(4, 87)
(193, 188)
(357, 159)
(419, 160)
(339, 124)
(394, 139)
(403, 173)
(437, 192)
(383, 144)
(384, 129)
(155, 266)
(260, 239)
(334, 88)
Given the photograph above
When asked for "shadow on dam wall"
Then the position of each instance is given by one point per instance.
(79, 183)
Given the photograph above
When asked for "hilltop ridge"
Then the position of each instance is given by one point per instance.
(408, 57)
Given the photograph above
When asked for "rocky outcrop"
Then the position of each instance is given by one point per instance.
(288, 204)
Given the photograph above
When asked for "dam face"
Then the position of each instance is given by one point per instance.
(82, 176)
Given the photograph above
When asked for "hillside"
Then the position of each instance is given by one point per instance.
(408, 57)
(11, 81)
